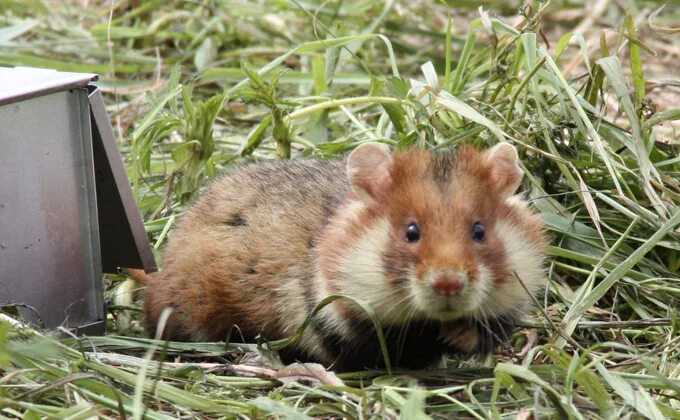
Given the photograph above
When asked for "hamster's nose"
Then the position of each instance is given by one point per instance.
(448, 285)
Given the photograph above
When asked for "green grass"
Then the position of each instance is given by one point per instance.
(193, 87)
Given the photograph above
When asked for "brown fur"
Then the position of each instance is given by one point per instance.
(216, 275)
(261, 247)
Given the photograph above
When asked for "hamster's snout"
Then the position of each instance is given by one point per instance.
(449, 284)
(447, 293)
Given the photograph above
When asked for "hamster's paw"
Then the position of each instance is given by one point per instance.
(460, 335)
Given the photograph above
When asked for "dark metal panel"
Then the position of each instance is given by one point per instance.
(124, 242)
(19, 83)
(49, 242)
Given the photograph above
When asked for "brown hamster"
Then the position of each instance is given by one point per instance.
(434, 243)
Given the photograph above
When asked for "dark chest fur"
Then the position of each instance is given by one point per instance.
(414, 346)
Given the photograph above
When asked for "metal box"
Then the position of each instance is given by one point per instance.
(67, 211)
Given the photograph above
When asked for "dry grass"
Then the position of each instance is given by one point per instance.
(195, 86)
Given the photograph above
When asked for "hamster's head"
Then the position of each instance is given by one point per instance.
(434, 236)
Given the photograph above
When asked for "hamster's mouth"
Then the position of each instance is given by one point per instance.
(447, 315)
(447, 309)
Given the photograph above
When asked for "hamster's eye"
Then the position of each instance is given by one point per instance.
(412, 232)
(477, 232)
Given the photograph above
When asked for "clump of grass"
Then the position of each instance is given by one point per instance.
(193, 88)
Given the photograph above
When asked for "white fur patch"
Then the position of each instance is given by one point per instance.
(523, 260)
(480, 289)
(364, 278)
(355, 208)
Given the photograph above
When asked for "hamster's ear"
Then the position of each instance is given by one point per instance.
(505, 170)
(368, 169)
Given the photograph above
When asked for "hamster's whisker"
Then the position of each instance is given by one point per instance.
(403, 329)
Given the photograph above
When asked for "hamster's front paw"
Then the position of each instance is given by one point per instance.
(460, 335)
(469, 336)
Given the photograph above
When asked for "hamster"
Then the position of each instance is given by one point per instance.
(434, 243)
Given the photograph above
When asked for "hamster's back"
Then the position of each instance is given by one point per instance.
(247, 244)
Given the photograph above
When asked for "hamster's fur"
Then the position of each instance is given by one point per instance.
(270, 240)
